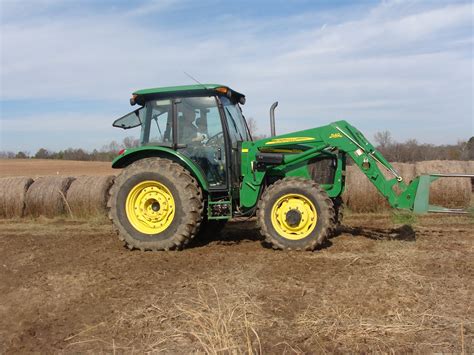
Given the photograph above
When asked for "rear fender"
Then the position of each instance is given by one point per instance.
(133, 154)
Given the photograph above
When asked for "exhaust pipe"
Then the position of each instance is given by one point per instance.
(272, 118)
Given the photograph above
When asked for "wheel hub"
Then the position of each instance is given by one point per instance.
(294, 216)
(150, 207)
(155, 206)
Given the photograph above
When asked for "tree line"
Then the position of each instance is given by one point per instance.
(107, 153)
(412, 151)
(408, 151)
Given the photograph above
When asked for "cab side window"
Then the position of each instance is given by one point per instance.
(157, 128)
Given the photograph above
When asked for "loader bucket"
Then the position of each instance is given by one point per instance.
(421, 204)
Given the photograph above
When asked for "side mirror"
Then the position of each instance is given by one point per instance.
(272, 118)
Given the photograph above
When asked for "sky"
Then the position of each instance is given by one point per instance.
(68, 67)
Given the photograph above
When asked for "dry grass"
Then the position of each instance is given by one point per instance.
(212, 322)
(348, 325)
(219, 325)
(13, 195)
(404, 303)
(410, 324)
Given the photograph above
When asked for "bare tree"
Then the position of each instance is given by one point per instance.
(7, 155)
(111, 147)
(42, 154)
(22, 155)
(470, 148)
(252, 125)
(130, 142)
(383, 139)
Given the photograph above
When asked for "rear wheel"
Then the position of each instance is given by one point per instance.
(155, 204)
(296, 214)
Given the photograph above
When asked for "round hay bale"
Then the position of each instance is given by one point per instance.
(47, 196)
(470, 167)
(87, 196)
(12, 195)
(470, 170)
(361, 195)
(448, 192)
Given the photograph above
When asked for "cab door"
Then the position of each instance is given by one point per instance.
(200, 136)
(238, 132)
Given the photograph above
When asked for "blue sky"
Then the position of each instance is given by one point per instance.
(68, 67)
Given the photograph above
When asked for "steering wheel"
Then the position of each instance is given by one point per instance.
(212, 140)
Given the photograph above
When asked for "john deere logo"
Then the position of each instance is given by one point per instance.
(335, 135)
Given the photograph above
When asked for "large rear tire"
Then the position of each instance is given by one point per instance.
(155, 204)
(295, 214)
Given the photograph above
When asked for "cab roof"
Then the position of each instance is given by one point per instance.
(141, 96)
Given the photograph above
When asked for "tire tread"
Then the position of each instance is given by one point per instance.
(327, 217)
(193, 208)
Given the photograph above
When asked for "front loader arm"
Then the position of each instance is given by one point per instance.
(351, 141)
(413, 196)
(344, 138)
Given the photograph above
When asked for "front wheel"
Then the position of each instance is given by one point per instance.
(295, 213)
(155, 204)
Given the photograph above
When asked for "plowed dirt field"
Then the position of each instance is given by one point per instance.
(71, 286)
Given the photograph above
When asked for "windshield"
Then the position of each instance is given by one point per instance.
(235, 120)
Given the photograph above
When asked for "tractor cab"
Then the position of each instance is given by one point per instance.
(202, 122)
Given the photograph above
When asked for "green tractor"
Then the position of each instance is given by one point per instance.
(197, 167)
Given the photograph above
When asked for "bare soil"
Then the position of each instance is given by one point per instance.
(71, 286)
(42, 167)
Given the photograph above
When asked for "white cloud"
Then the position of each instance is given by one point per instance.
(399, 61)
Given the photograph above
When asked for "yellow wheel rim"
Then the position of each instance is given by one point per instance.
(150, 207)
(294, 216)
